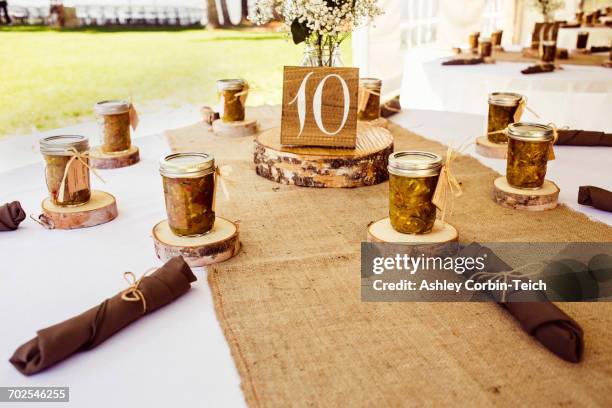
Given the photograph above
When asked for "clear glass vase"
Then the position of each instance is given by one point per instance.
(327, 56)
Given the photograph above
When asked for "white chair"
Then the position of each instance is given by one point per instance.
(124, 15)
(19, 13)
(172, 16)
(96, 15)
(195, 16)
(109, 13)
(138, 15)
(150, 15)
(183, 16)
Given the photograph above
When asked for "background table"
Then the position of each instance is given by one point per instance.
(598, 36)
(576, 96)
(177, 356)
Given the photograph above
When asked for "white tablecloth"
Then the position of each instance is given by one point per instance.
(598, 36)
(178, 356)
(576, 96)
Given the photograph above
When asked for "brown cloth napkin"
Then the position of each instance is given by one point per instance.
(595, 197)
(11, 215)
(464, 61)
(538, 69)
(88, 330)
(391, 107)
(554, 329)
(583, 138)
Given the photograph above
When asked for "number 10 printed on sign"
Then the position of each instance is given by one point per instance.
(320, 106)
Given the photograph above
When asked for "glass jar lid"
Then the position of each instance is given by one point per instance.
(370, 83)
(61, 145)
(505, 98)
(230, 84)
(186, 165)
(485, 40)
(111, 107)
(415, 163)
(530, 132)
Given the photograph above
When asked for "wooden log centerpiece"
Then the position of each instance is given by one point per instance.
(307, 166)
(541, 199)
(218, 245)
(487, 148)
(101, 160)
(100, 209)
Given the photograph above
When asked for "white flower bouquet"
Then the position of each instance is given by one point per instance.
(322, 24)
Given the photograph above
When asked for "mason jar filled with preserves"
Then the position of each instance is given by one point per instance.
(473, 40)
(369, 99)
(189, 192)
(66, 169)
(528, 150)
(114, 120)
(413, 176)
(485, 47)
(496, 38)
(232, 95)
(548, 51)
(502, 109)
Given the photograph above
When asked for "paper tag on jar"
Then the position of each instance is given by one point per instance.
(439, 197)
(362, 99)
(551, 152)
(519, 110)
(78, 177)
(133, 117)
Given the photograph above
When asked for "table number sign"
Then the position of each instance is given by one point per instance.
(320, 106)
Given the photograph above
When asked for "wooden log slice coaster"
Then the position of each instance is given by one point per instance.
(435, 242)
(218, 245)
(487, 148)
(100, 160)
(306, 166)
(235, 129)
(382, 231)
(101, 208)
(542, 199)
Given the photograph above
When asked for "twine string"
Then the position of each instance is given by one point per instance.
(133, 292)
(221, 178)
(514, 273)
(76, 155)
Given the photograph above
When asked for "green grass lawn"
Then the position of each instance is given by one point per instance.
(51, 78)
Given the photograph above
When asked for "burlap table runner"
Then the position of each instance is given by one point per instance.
(574, 58)
(289, 303)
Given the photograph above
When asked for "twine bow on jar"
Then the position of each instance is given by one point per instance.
(75, 155)
(448, 187)
(363, 97)
(221, 178)
(244, 93)
(522, 106)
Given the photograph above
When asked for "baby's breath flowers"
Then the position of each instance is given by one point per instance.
(322, 24)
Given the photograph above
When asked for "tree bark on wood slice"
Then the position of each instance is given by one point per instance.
(100, 209)
(542, 199)
(218, 245)
(435, 242)
(486, 148)
(235, 129)
(364, 165)
(100, 160)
